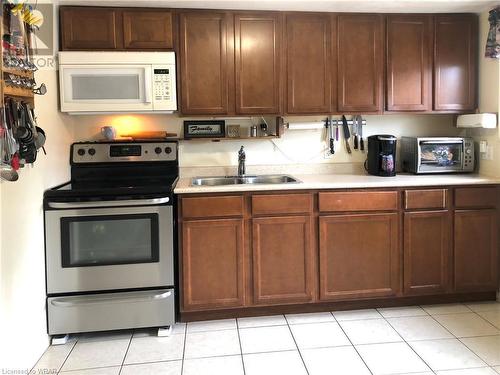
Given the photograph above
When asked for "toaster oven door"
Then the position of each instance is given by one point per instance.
(440, 155)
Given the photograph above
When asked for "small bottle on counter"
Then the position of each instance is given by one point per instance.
(253, 131)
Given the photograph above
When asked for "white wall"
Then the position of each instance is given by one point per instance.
(22, 277)
(295, 147)
(489, 99)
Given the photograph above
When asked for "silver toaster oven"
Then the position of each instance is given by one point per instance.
(437, 154)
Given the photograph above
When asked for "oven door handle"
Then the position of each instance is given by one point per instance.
(78, 301)
(117, 203)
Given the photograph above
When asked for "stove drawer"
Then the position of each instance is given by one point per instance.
(110, 311)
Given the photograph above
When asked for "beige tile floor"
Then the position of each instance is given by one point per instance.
(453, 339)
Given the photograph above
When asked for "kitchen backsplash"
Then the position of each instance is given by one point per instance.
(294, 147)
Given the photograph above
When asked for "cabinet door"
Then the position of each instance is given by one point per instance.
(476, 250)
(427, 252)
(360, 56)
(409, 63)
(308, 63)
(147, 29)
(204, 62)
(455, 62)
(257, 48)
(282, 260)
(88, 28)
(212, 264)
(359, 256)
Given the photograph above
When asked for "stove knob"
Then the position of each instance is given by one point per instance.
(91, 151)
(168, 150)
(158, 150)
(468, 151)
(81, 151)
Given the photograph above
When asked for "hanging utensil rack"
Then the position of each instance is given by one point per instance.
(16, 47)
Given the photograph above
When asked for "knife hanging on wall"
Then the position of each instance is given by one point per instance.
(347, 134)
(329, 123)
(359, 120)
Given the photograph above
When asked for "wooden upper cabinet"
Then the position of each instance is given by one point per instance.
(147, 29)
(282, 260)
(409, 63)
(309, 72)
(257, 49)
(90, 28)
(212, 264)
(204, 62)
(360, 59)
(476, 250)
(455, 62)
(427, 252)
(358, 256)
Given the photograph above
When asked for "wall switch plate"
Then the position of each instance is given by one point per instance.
(482, 146)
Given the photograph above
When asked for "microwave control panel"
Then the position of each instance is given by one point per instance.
(164, 90)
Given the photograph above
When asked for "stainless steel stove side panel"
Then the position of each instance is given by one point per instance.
(110, 311)
(108, 277)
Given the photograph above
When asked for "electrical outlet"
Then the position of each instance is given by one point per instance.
(487, 154)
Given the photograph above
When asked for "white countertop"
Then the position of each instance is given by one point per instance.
(343, 181)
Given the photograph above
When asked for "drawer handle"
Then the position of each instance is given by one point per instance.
(78, 301)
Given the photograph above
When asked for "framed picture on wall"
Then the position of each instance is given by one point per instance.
(204, 129)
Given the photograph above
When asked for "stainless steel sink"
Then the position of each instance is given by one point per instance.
(237, 180)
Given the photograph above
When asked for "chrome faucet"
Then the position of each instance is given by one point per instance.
(241, 161)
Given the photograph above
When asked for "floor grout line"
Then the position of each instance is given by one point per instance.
(348, 338)
(65, 359)
(408, 344)
(241, 348)
(184, 348)
(296, 345)
(126, 352)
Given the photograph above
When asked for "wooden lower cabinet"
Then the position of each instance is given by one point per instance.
(427, 252)
(282, 260)
(212, 264)
(476, 250)
(358, 256)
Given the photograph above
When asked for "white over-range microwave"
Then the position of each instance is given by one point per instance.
(96, 82)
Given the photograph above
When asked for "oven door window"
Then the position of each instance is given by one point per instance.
(440, 156)
(107, 240)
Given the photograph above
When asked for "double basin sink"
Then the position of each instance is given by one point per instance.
(244, 180)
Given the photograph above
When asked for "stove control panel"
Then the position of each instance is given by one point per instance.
(95, 152)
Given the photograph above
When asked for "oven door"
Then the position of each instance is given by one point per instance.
(113, 248)
(440, 155)
(109, 88)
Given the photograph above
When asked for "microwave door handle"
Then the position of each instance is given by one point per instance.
(118, 203)
(148, 85)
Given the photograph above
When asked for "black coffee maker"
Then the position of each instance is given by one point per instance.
(381, 160)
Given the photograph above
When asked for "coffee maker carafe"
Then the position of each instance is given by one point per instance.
(381, 160)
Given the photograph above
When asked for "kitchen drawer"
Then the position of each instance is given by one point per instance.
(281, 204)
(110, 311)
(358, 201)
(484, 196)
(431, 198)
(200, 207)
